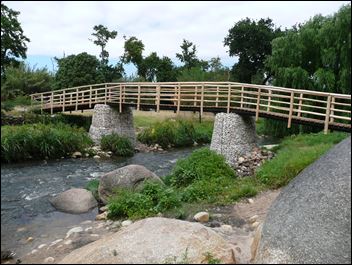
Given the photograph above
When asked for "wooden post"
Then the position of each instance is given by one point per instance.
(76, 99)
(201, 102)
(157, 98)
(139, 97)
(291, 110)
(41, 103)
(52, 104)
(229, 99)
(178, 99)
(106, 94)
(258, 106)
(90, 96)
(333, 107)
(269, 100)
(217, 97)
(327, 115)
(176, 91)
(242, 89)
(300, 105)
(120, 109)
(63, 101)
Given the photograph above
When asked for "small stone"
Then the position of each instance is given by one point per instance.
(255, 224)
(241, 160)
(56, 241)
(108, 222)
(49, 260)
(160, 215)
(86, 222)
(76, 155)
(109, 153)
(214, 224)
(116, 224)
(253, 219)
(21, 229)
(88, 228)
(74, 230)
(217, 215)
(102, 216)
(68, 242)
(30, 239)
(201, 217)
(226, 228)
(96, 157)
(86, 155)
(34, 251)
(103, 209)
(41, 246)
(250, 200)
(94, 235)
(126, 223)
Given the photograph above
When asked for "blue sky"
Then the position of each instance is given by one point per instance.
(55, 28)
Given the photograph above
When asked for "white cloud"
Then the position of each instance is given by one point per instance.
(57, 27)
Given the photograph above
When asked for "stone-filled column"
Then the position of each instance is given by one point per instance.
(108, 120)
(234, 136)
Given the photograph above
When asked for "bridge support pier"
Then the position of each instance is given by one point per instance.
(107, 120)
(234, 136)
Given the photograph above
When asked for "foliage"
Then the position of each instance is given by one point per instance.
(188, 54)
(314, 56)
(152, 199)
(295, 153)
(133, 50)
(169, 133)
(251, 42)
(93, 186)
(78, 70)
(119, 145)
(40, 141)
(24, 80)
(13, 41)
(202, 164)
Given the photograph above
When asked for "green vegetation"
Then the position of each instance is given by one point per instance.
(204, 179)
(119, 145)
(295, 153)
(92, 186)
(40, 141)
(176, 133)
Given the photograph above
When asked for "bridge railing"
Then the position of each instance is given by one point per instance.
(291, 104)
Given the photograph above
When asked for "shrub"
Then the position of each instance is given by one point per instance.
(202, 164)
(119, 145)
(153, 198)
(40, 141)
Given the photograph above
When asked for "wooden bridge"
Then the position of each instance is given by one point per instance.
(327, 110)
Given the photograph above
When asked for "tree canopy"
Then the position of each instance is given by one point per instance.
(13, 41)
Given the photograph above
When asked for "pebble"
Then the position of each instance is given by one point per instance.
(41, 246)
(88, 228)
(34, 251)
(255, 224)
(103, 209)
(86, 222)
(250, 201)
(226, 228)
(102, 216)
(56, 241)
(95, 235)
(126, 223)
(49, 260)
(76, 229)
(30, 239)
(202, 217)
(253, 219)
(116, 224)
(96, 157)
(21, 229)
(68, 242)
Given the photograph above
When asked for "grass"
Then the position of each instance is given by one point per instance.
(41, 141)
(92, 186)
(203, 179)
(118, 145)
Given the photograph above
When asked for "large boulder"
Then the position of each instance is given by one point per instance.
(74, 201)
(156, 241)
(131, 176)
(310, 221)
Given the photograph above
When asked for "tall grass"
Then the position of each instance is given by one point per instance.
(119, 145)
(40, 141)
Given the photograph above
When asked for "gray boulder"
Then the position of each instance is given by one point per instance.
(310, 221)
(156, 241)
(74, 201)
(131, 176)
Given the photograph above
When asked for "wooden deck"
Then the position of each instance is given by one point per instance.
(326, 110)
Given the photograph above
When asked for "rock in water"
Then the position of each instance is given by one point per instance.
(7, 254)
(74, 201)
(155, 241)
(130, 176)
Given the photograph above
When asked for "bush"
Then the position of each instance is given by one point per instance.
(152, 199)
(93, 186)
(119, 145)
(202, 164)
(40, 141)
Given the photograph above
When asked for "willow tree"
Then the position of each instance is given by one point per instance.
(315, 55)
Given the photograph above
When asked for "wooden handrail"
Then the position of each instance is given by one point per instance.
(292, 104)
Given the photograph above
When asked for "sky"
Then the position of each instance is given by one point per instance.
(58, 28)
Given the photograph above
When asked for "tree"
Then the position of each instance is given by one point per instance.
(133, 53)
(188, 54)
(103, 35)
(251, 42)
(13, 41)
(167, 71)
(78, 70)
